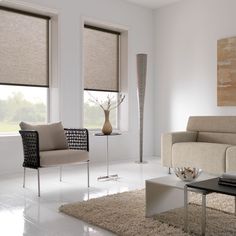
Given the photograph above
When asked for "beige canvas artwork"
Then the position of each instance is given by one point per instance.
(226, 72)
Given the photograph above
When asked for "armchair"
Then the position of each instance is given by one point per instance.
(52, 145)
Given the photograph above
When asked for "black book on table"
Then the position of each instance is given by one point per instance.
(231, 181)
(226, 182)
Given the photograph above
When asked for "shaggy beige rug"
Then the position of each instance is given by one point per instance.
(124, 214)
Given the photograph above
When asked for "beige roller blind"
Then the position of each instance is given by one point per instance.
(24, 50)
(101, 59)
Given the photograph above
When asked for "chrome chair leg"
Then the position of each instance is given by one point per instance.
(88, 173)
(60, 173)
(38, 182)
(24, 178)
(169, 171)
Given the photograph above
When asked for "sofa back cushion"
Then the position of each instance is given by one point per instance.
(212, 137)
(51, 136)
(217, 124)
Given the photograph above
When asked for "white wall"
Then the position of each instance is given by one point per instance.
(139, 21)
(186, 35)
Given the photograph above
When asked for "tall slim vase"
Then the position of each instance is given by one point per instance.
(107, 128)
(141, 77)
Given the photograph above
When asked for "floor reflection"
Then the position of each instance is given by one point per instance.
(23, 213)
(12, 221)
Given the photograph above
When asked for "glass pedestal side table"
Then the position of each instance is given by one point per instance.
(108, 176)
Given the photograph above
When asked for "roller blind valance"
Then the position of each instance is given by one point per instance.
(24, 48)
(101, 59)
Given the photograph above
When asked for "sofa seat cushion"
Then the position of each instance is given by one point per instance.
(62, 157)
(51, 136)
(231, 159)
(208, 156)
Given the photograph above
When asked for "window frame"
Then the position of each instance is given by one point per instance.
(106, 30)
(49, 62)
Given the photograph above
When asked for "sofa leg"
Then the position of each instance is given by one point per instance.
(38, 182)
(169, 171)
(24, 178)
(60, 173)
(88, 173)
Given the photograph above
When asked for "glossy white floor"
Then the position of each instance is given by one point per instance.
(23, 213)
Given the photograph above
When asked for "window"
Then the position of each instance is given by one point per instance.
(101, 74)
(24, 68)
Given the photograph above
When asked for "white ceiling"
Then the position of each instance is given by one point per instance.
(153, 3)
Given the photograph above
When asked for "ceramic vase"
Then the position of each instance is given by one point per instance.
(141, 79)
(107, 128)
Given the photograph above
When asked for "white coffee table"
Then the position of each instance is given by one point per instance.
(166, 193)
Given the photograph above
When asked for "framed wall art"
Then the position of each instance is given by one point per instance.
(226, 72)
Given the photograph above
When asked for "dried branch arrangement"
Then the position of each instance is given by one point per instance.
(109, 104)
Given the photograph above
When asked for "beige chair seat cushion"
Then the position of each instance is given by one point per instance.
(207, 156)
(231, 159)
(62, 157)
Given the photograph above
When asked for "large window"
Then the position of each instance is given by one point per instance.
(101, 74)
(24, 68)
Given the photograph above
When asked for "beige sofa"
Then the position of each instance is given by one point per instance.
(209, 143)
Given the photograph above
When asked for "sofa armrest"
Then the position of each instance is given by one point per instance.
(30, 142)
(168, 139)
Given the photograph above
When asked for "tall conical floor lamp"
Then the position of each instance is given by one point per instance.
(141, 77)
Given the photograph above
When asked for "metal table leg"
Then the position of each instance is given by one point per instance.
(186, 208)
(203, 214)
(108, 176)
(107, 156)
